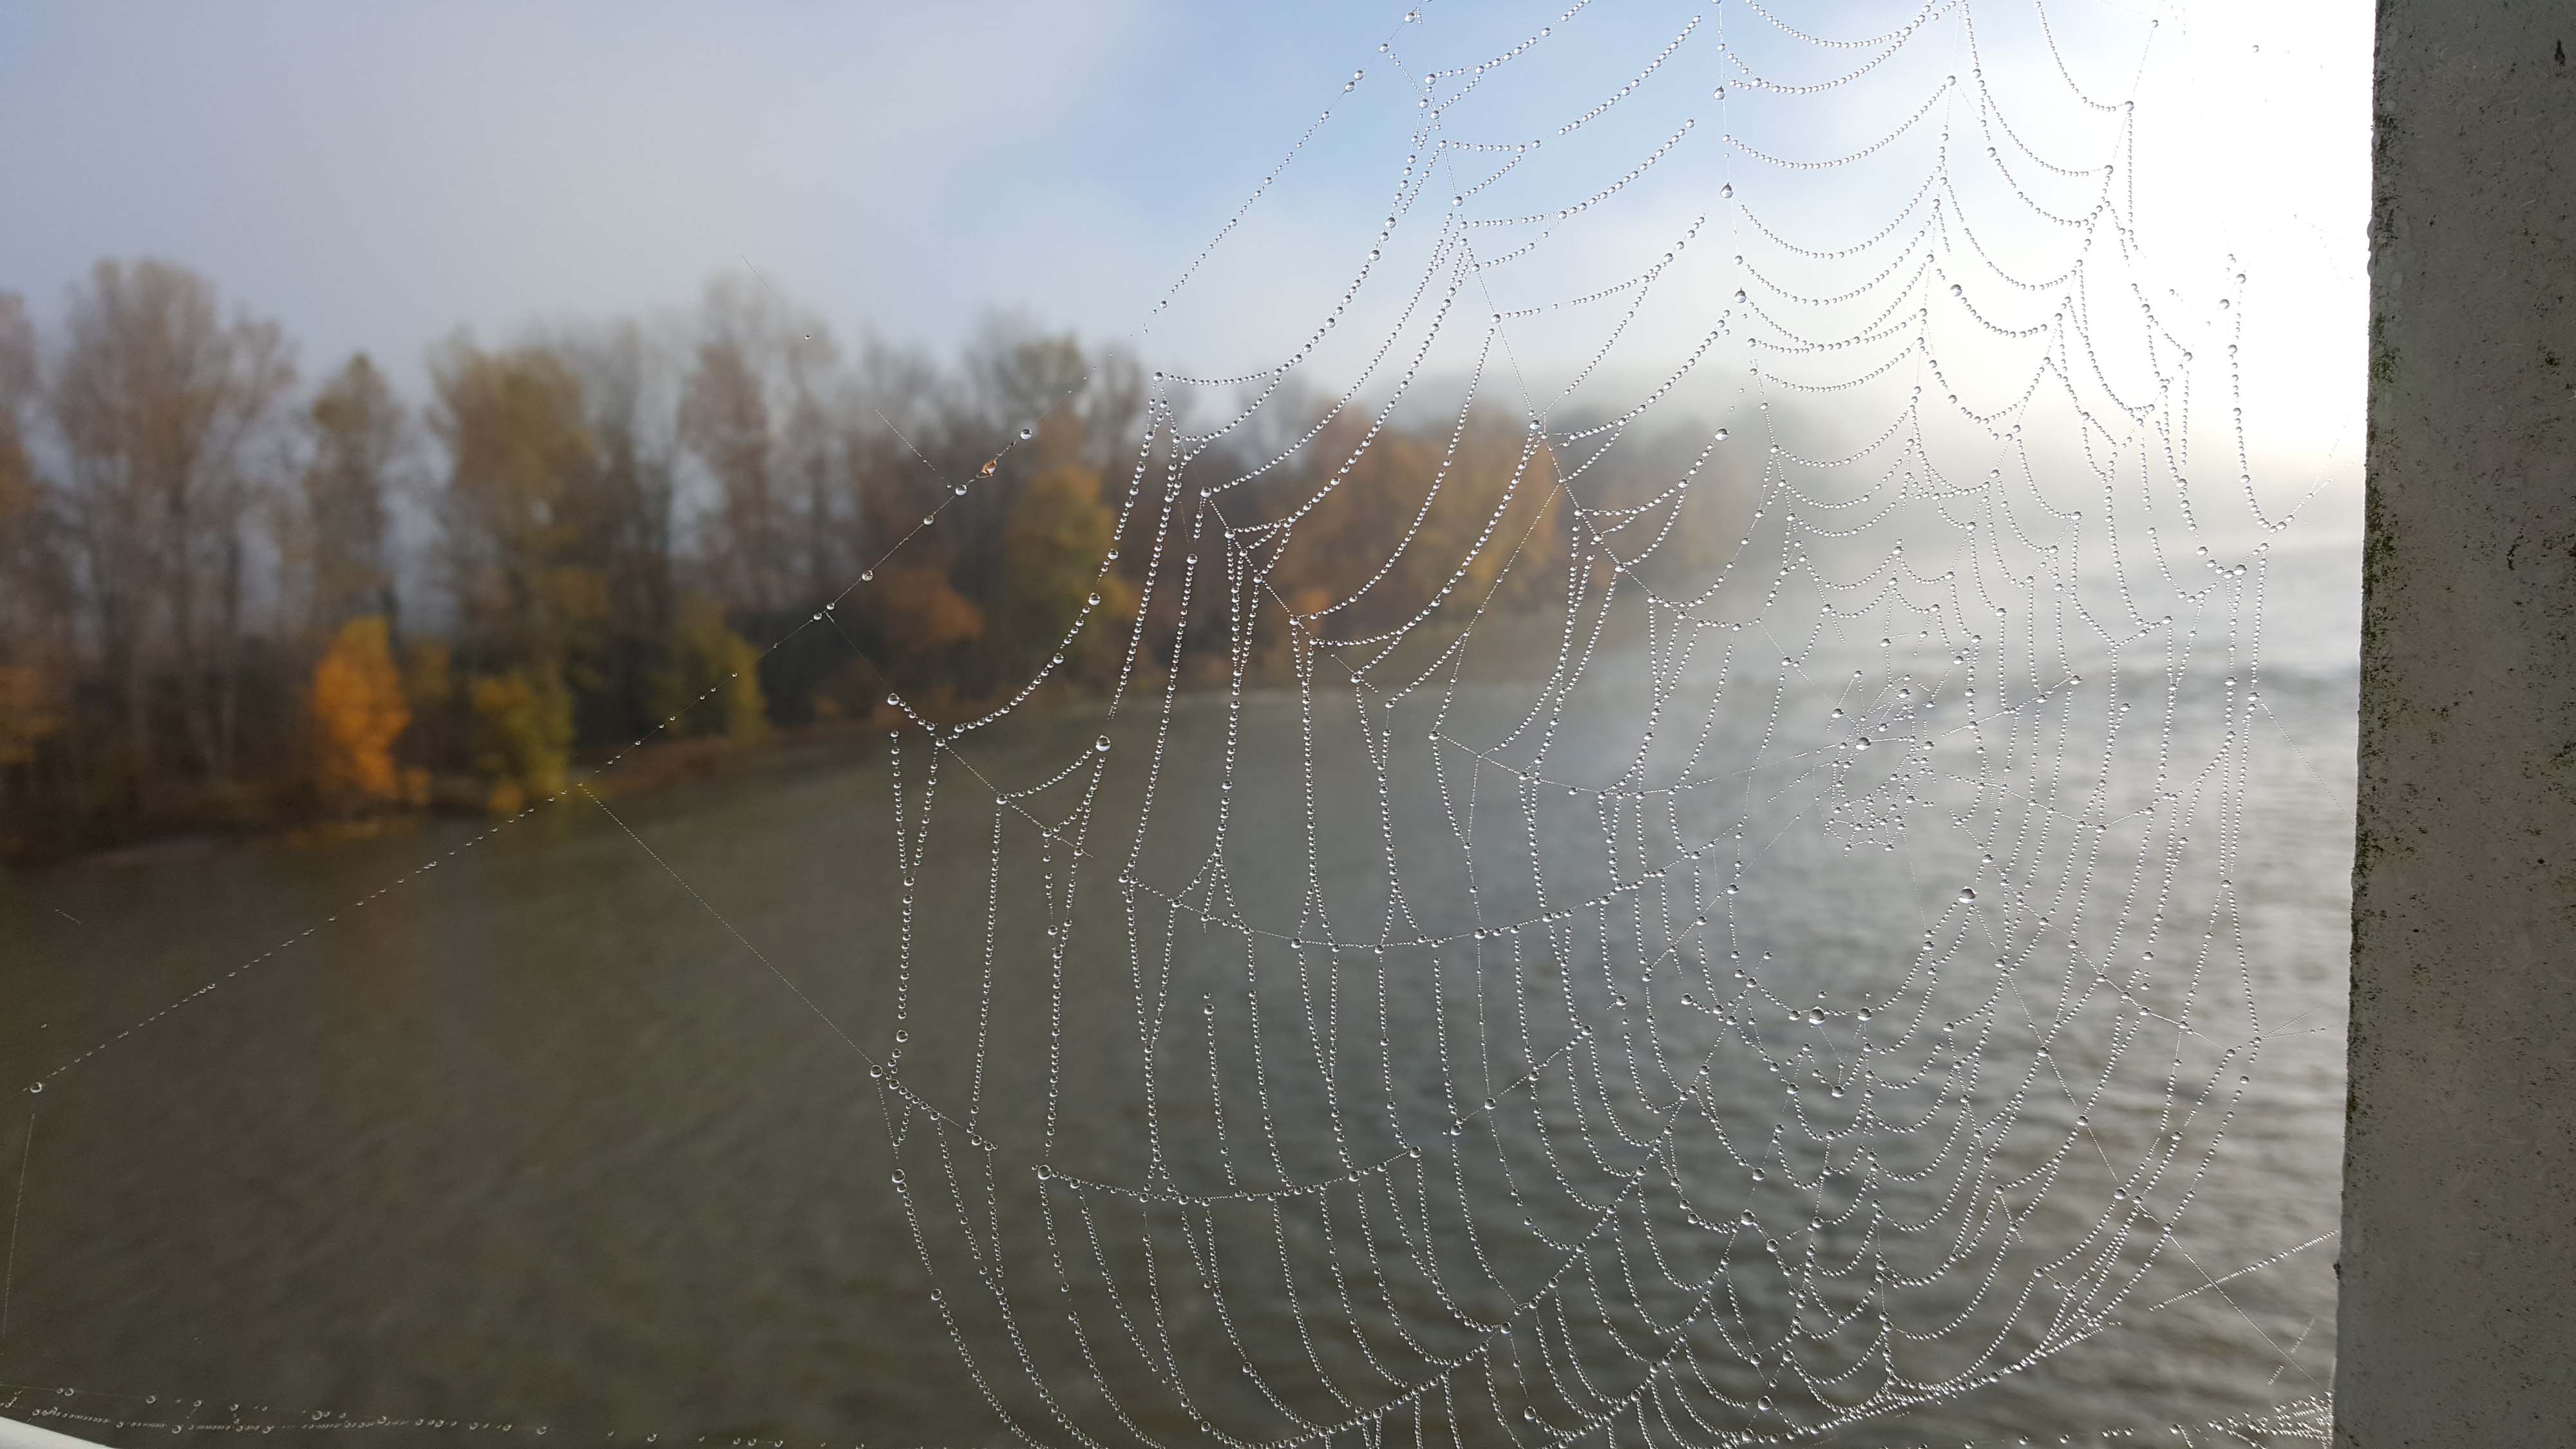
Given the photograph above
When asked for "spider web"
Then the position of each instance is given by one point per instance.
(1723, 923)
(1799, 984)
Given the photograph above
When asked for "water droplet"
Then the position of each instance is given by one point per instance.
(1101, 744)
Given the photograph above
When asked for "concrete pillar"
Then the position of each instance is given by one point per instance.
(2458, 1320)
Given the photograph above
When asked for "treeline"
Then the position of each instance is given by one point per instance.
(232, 598)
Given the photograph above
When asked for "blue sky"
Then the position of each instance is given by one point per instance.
(375, 175)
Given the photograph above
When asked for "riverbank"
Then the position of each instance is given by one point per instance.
(218, 817)
(194, 829)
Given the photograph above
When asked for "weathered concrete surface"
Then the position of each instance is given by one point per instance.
(2458, 1323)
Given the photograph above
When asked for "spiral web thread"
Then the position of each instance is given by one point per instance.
(1736, 946)
(1705, 1025)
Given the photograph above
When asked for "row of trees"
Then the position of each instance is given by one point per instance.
(224, 599)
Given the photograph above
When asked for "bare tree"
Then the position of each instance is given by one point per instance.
(38, 659)
(626, 391)
(156, 400)
(358, 429)
(750, 412)
(891, 403)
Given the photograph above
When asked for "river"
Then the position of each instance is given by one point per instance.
(575, 1128)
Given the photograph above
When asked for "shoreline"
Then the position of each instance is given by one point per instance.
(643, 769)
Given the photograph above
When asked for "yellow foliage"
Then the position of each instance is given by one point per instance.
(1479, 518)
(358, 713)
(523, 734)
(1058, 535)
(708, 658)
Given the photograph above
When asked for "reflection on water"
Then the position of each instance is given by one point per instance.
(542, 1137)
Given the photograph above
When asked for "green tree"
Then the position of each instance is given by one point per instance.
(709, 659)
(521, 461)
(1057, 539)
(523, 736)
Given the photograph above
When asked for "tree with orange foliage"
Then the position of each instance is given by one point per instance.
(358, 713)
(919, 623)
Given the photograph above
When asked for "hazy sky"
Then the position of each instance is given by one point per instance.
(374, 175)
(378, 173)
